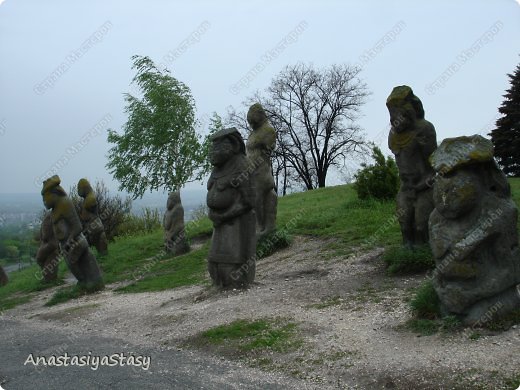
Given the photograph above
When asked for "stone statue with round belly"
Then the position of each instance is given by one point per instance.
(93, 228)
(173, 222)
(473, 233)
(231, 259)
(48, 253)
(412, 140)
(68, 231)
(260, 146)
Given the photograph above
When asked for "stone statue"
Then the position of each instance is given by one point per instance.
(260, 145)
(92, 226)
(473, 233)
(230, 198)
(412, 140)
(68, 231)
(3, 277)
(173, 222)
(48, 255)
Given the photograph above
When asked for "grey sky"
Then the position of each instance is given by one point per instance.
(418, 42)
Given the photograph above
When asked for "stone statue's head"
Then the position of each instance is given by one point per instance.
(173, 199)
(84, 187)
(404, 107)
(466, 172)
(256, 116)
(52, 191)
(224, 145)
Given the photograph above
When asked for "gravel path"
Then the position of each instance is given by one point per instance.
(350, 316)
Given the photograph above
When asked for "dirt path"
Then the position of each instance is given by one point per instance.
(350, 316)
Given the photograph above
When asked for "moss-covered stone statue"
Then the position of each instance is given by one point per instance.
(48, 255)
(473, 233)
(412, 140)
(68, 231)
(3, 277)
(260, 145)
(174, 233)
(92, 225)
(230, 198)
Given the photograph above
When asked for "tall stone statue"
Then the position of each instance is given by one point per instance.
(473, 233)
(412, 140)
(260, 145)
(92, 226)
(230, 198)
(68, 231)
(174, 233)
(3, 277)
(48, 255)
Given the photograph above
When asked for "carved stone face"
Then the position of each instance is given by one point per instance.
(456, 194)
(256, 116)
(49, 200)
(402, 118)
(222, 149)
(173, 199)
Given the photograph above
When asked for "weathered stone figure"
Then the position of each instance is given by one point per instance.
(260, 145)
(231, 259)
(48, 253)
(412, 139)
(92, 226)
(473, 233)
(174, 233)
(3, 277)
(68, 231)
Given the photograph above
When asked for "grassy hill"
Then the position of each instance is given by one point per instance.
(333, 212)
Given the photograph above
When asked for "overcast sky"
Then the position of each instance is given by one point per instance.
(65, 65)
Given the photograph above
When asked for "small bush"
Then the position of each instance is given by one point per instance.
(272, 242)
(379, 181)
(147, 222)
(401, 260)
(425, 304)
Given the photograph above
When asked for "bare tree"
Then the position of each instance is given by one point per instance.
(314, 113)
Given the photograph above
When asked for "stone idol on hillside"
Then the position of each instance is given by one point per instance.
(173, 222)
(260, 146)
(3, 277)
(48, 255)
(230, 198)
(92, 226)
(473, 233)
(412, 140)
(68, 231)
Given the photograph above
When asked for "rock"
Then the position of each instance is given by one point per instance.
(412, 139)
(473, 233)
(230, 198)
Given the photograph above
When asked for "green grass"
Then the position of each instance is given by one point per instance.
(172, 272)
(401, 260)
(326, 212)
(425, 304)
(245, 335)
(272, 242)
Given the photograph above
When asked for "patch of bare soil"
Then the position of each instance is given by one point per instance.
(350, 317)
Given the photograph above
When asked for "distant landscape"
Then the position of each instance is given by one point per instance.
(23, 210)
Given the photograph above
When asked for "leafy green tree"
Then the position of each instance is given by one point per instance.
(159, 148)
(506, 136)
(380, 180)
